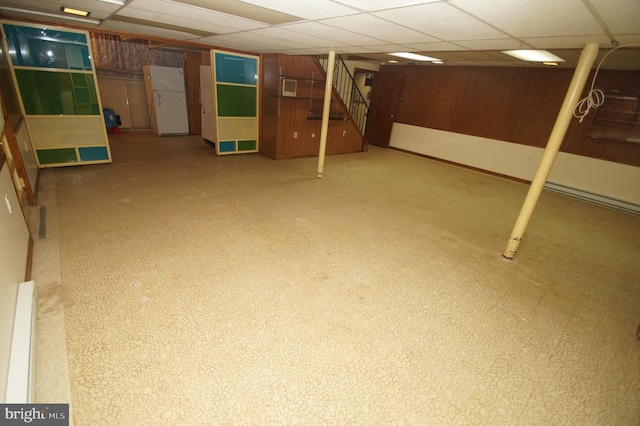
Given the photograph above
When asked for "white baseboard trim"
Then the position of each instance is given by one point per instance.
(21, 374)
(594, 198)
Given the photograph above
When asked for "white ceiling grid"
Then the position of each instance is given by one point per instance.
(454, 29)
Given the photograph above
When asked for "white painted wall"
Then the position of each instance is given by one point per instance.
(604, 178)
(127, 97)
(14, 246)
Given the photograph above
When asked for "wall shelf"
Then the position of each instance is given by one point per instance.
(617, 119)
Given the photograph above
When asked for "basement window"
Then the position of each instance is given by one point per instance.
(618, 118)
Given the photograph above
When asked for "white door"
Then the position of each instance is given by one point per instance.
(206, 104)
(171, 112)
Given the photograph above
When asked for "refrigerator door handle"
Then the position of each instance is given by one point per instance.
(158, 97)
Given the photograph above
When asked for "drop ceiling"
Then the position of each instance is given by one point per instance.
(459, 32)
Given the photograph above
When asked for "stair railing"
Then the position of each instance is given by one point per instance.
(346, 87)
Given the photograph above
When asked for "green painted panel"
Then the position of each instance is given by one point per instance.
(227, 146)
(59, 155)
(56, 93)
(236, 101)
(247, 145)
(96, 153)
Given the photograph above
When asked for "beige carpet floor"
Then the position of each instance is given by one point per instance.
(183, 288)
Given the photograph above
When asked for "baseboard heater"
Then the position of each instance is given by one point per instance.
(594, 198)
(21, 375)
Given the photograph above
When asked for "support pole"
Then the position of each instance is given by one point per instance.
(587, 57)
(325, 113)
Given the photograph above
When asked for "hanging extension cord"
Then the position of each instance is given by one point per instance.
(595, 97)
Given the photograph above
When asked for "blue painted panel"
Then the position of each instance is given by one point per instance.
(236, 69)
(227, 146)
(93, 153)
(47, 48)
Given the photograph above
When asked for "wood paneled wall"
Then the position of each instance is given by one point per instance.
(192, 62)
(282, 116)
(517, 105)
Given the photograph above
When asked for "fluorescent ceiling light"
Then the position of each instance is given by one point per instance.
(73, 11)
(118, 2)
(50, 15)
(533, 55)
(414, 56)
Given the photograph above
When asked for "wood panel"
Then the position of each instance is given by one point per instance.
(385, 96)
(269, 104)
(192, 62)
(291, 114)
(517, 105)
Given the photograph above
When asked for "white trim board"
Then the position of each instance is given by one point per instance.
(600, 181)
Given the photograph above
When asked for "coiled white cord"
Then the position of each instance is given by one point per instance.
(595, 97)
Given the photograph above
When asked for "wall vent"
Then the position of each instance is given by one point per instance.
(289, 87)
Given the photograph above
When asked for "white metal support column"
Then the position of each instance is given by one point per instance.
(325, 112)
(587, 57)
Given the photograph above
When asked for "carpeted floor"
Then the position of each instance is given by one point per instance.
(192, 289)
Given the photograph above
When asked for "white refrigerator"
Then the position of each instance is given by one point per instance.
(167, 100)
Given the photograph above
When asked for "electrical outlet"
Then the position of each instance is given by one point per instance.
(295, 135)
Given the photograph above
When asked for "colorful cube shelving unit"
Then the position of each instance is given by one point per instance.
(58, 93)
(236, 88)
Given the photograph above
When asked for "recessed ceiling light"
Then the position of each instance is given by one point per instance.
(413, 56)
(20, 11)
(73, 11)
(533, 55)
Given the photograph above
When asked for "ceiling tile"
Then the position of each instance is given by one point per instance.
(434, 46)
(301, 39)
(378, 28)
(500, 44)
(244, 10)
(373, 5)
(533, 18)
(442, 21)
(258, 39)
(386, 48)
(466, 29)
(175, 13)
(331, 33)
(572, 42)
(149, 31)
(308, 9)
(624, 18)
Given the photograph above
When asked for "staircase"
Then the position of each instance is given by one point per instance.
(348, 91)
